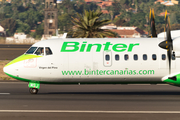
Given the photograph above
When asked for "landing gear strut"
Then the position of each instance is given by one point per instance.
(33, 90)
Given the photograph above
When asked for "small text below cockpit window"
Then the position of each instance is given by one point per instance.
(31, 50)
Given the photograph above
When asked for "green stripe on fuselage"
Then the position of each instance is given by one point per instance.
(22, 57)
(18, 78)
(85, 82)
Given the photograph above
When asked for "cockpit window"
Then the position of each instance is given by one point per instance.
(48, 51)
(40, 51)
(31, 50)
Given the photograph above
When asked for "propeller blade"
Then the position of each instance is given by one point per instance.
(169, 53)
(168, 32)
(152, 22)
(150, 14)
(168, 43)
(165, 17)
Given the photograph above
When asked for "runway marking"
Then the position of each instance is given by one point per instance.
(4, 93)
(13, 82)
(149, 84)
(80, 111)
(19, 82)
(13, 48)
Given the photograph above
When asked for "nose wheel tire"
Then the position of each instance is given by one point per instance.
(33, 90)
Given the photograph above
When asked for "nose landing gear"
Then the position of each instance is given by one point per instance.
(33, 90)
(34, 87)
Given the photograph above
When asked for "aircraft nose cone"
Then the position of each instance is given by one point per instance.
(6, 69)
(9, 70)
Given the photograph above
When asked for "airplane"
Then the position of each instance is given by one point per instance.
(100, 61)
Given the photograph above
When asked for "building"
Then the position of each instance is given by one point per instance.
(101, 3)
(109, 26)
(51, 18)
(2, 32)
(33, 1)
(163, 14)
(129, 32)
(20, 36)
(167, 3)
(105, 12)
(9, 1)
(104, 4)
(59, 1)
(126, 32)
(96, 1)
(175, 2)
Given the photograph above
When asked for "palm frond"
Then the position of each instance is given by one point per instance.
(88, 25)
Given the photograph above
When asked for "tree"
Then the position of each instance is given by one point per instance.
(68, 5)
(173, 18)
(120, 22)
(80, 6)
(64, 22)
(115, 8)
(39, 32)
(9, 24)
(175, 27)
(159, 28)
(89, 26)
(8, 11)
(127, 16)
(23, 16)
(22, 27)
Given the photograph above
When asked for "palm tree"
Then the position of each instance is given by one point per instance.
(89, 26)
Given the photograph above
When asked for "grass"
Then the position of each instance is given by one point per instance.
(3, 76)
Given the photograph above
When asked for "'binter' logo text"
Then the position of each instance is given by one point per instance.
(84, 47)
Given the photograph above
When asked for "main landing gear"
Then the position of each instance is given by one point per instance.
(34, 87)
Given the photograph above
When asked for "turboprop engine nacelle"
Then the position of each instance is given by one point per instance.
(176, 46)
(173, 79)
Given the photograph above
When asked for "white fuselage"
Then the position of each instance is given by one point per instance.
(96, 61)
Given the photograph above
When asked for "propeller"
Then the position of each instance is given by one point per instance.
(152, 22)
(168, 43)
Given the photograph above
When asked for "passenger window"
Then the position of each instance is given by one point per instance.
(126, 57)
(154, 57)
(31, 50)
(173, 57)
(135, 57)
(107, 57)
(163, 57)
(116, 57)
(144, 57)
(48, 51)
(40, 51)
